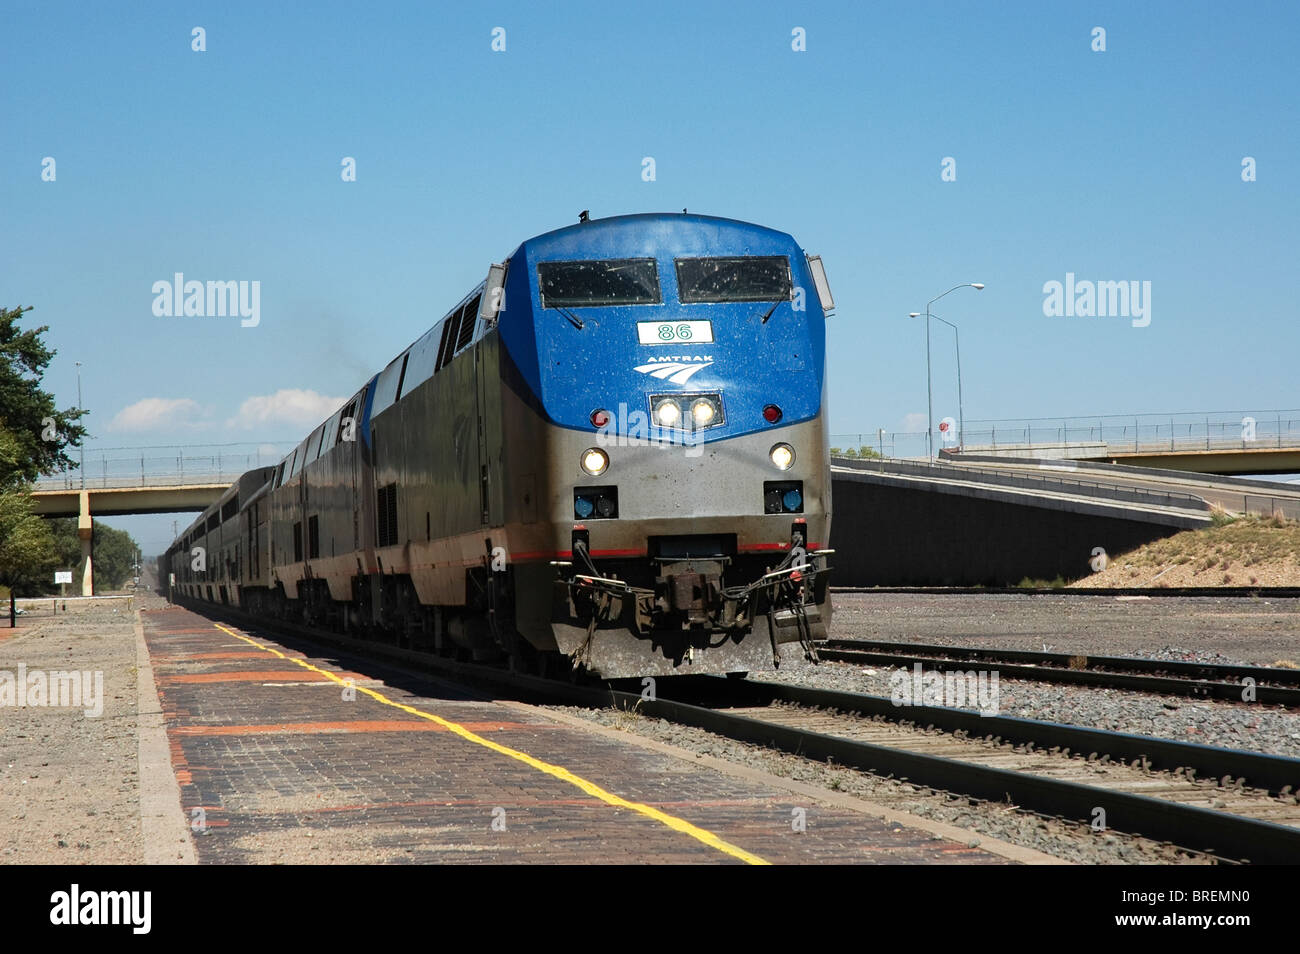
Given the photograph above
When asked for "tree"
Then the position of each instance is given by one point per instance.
(26, 547)
(34, 437)
(42, 432)
(864, 452)
(26, 551)
(114, 557)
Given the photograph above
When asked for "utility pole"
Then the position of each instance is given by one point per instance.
(929, 388)
(81, 445)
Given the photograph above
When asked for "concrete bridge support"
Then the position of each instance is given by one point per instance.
(86, 530)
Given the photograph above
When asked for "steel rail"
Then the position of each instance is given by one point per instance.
(1196, 670)
(1059, 671)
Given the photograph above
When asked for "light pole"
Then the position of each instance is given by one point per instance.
(929, 389)
(961, 413)
(81, 445)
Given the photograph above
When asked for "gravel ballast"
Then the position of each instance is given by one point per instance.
(1240, 631)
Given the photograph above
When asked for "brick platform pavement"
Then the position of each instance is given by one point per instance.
(287, 758)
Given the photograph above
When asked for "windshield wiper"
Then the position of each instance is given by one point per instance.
(775, 305)
(573, 319)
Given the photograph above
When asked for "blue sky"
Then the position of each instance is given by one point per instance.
(1122, 165)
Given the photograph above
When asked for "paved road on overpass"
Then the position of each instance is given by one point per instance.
(1225, 492)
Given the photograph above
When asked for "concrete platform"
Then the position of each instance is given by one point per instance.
(282, 757)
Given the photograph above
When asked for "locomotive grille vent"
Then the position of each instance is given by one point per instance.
(386, 516)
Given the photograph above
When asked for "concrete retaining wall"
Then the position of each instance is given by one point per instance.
(902, 536)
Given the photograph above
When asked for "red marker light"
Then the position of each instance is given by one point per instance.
(771, 414)
(599, 418)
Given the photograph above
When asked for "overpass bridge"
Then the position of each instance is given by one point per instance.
(120, 501)
(93, 501)
(1236, 495)
(1205, 442)
(121, 481)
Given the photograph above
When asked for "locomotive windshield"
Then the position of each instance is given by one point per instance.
(751, 278)
(624, 281)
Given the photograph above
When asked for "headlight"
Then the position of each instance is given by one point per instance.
(595, 461)
(667, 413)
(782, 456)
(688, 412)
(703, 412)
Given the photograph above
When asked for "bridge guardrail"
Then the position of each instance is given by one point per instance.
(1263, 505)
(1058, 464)
(1068, 485)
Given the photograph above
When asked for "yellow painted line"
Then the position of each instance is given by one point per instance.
(556, 771)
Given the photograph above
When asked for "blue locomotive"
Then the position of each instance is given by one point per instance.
(611, 454)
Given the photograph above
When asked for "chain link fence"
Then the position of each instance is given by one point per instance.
(1135, 433)
(165, 466)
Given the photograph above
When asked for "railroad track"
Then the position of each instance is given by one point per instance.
(1235, 805)
(1262, 685)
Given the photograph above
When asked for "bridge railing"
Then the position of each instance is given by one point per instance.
(1138, 433)
(113, 467)
(1137, 436)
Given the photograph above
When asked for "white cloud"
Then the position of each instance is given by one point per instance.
(153, 414)
(289, 406)
(913, 423)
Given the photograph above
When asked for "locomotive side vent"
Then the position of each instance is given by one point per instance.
(386, 515)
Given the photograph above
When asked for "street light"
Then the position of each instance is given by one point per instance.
(961, 414)
(929, 389)
(81, 444)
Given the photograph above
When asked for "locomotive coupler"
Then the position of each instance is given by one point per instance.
(599, 598)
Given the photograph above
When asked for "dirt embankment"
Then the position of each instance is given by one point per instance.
(1248, 551)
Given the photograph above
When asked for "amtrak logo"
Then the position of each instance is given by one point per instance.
(677, 369)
